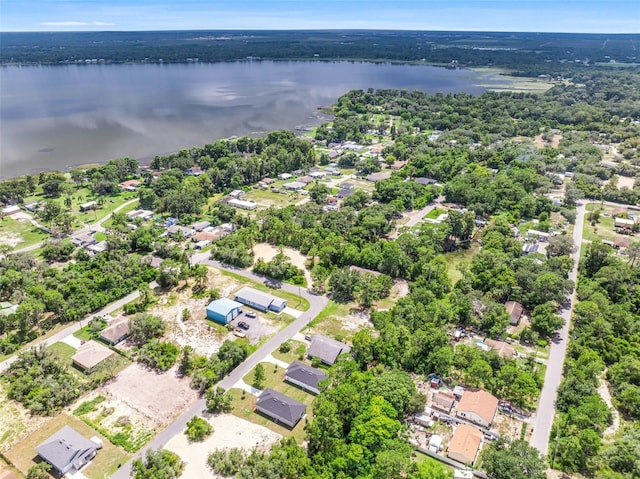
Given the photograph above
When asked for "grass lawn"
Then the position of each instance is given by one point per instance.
(293, 354)
(293, 300)
(274, 380)
(603, 230)
(328, 322)
(23, 454)
(63, 351)
(22, 233)
(266, 197)
(457, 258)
(420, 457)
(434, 213)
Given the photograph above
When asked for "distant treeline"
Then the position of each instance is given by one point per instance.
(529, 53)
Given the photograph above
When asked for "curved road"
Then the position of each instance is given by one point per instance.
(87, 229)
(317, 304)
(547, 406)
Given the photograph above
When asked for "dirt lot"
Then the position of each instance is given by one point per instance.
(157, 396)
(229, 431)
(626, 181)
(196, 332)
(267, 252)
(15, 421)
(540, 143)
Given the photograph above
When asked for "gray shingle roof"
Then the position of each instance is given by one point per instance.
(280, 407)
(66, 450)
(326, 349)
(305, 374)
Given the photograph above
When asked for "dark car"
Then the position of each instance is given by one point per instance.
(250, 314)
(243, 325)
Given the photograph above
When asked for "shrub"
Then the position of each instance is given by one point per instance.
(198, 429)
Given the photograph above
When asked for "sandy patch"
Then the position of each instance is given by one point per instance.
(625, 181)
(11, 239)
(159, 396)
(267, 252)
(229, 431)
(541, 143)
(400, 289)
(15, 421)
(195, 332)
(356, 320)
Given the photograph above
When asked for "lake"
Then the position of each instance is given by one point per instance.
(58, 117)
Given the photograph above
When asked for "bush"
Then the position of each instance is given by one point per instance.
(198, 429)
(160, 464)
(159, 355)
(285, 347)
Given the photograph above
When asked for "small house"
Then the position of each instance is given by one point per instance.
(304, 376)
(223, 310)
(285, 176)
(90, 354)
(68, 451)
(280, 408)
(465, 444)
(130, 185)
(623, 224)
(243, 204)
(236, 193)
(443, 401)
(382, 175)
(294, 186)
(317, 175)
(91, 205)
(478, 406)
(201, 225)
(515, 310)
(115, 332)
(504, 350)
(10, 210)
(326, 349)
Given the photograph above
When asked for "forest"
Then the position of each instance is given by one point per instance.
(526, 53)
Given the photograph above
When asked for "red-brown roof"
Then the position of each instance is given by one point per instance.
(479, 402)
(465, 443)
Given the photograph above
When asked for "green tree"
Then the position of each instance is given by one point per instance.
(39, 471)
(217, 400)
(515, 460)
(144, 327)
(544, 319)
(198, 429)
(258, 376)
(158, 464)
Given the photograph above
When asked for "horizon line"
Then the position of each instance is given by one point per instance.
(319, 30)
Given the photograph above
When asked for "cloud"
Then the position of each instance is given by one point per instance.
(76, 24)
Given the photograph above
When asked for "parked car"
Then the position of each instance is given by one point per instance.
(243, 325)
(250, 314)
(239, 333)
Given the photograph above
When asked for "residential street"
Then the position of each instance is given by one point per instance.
(546, 407)
(73, 327)
(87, 229)
(179, 424)
(417, 216)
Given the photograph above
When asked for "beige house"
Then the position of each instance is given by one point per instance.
(478, 406)
(90, 354)
(465, 444)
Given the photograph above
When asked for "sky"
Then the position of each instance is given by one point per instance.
(570, 16)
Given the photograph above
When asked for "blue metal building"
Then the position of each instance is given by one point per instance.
(223, 310)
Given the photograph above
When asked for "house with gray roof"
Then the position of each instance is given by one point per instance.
(282, 409)
(67, 451)
(326, 349)
(305, 376)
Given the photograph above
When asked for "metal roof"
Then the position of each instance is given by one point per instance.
(223, 306)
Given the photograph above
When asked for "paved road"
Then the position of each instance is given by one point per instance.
(73, 327)
(179, 424)
(546, 407)
(86, 229)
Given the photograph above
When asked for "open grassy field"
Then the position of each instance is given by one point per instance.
(20, 234)
(63, 351)
(458, 258)
(23, 454)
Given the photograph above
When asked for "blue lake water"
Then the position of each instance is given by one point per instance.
(57, 117)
